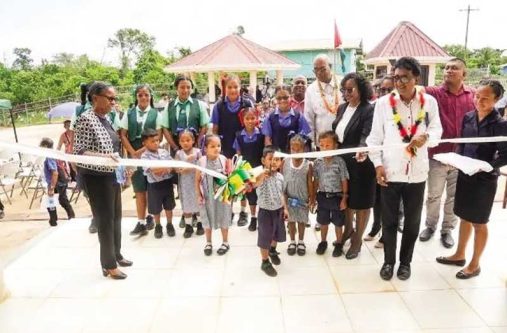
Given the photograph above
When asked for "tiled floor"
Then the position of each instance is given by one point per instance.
(57, 286)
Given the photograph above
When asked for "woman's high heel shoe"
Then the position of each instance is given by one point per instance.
(119, 276)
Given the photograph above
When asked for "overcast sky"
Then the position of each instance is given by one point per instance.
(53, 26)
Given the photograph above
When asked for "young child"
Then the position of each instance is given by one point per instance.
(57, 180)
(186, 181)
(331, 186)
(214, 213)
(249, 144)
(160, 186)
(272, 211)
(298, 187)
(226, 120)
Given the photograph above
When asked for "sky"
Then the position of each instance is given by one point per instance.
(83, 27)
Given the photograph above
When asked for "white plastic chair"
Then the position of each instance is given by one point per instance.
(8, 177)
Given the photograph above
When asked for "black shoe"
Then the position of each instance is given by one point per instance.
(321, 248)
(253, 224)
(170, 230)
(426, 234)
(317, 227)
(447, 240)
(92, 229)
(308, 225)
(275, 259)
(150, 223)
(465, 276)
(243, 219)
(124, 263)
(188, 231)
(446, 261)
(268, 268)
(182, 223)
(158, 231)
(139, 230)
(291, 250)
(119, 276)
(200, 229)
(338, 250)
(403, 272)
(387, 271)
(208, 249)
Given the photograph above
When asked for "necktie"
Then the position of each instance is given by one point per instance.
(182, 117)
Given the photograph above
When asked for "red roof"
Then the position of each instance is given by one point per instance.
(232, 53)
(406, 40)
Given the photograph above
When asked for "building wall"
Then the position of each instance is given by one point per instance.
(305, 59)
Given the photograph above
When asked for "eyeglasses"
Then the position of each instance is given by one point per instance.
(347, 90)
(109, 98)
(402, 79)
(280, 98)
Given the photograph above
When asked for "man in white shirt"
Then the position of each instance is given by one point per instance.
(321, 98)
(405, 116)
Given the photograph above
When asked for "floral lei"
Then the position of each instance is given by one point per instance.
(397, 118)
(324, 99)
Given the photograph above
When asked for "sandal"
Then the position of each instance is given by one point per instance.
(301, 249)
(291, 250)
(208, 249)
(223, 249)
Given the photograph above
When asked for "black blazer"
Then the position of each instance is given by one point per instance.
(359, 126)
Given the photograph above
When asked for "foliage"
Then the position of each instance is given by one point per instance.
(130, 42)
(487, 58)
(23, 60)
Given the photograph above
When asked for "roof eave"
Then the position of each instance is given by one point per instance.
(422, 60)
(229, 68)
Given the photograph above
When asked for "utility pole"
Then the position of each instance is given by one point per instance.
(468, 10)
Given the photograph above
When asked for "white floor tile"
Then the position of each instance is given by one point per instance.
(141, 283)
(315, 313)
(82, 284)
(378, 312)
(424, 277)
(441, 309)
(14, 313)
(196, 282)
(32, 283)
(250, 315)
(360, 279)
(490, 304)
(305, 281)
(249, 282)
(187, 314)
(193, 256)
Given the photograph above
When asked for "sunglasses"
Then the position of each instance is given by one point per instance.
(110, 99)
(402, 79)
(347, 90)
(282, 98)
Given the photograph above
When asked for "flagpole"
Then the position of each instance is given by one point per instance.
(334, 53)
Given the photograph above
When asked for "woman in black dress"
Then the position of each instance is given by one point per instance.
(353, 125)
(475, 194)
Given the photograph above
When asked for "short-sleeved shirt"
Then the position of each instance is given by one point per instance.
(285, 121)
(331, 174)
(232, 107)
(161, 154)
(247, 138)
(270, 192)
(141, 118)
(50, 166)
(203, 115)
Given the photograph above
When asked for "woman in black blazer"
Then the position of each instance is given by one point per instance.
(95, 136)
(353, 125)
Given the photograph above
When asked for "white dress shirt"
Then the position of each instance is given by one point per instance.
(399, 167)
(342, 125)
(318, 117)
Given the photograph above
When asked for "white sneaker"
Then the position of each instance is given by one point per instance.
(379, 245)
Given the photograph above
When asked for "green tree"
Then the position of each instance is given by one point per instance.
(131, 43)
(240, 30)
(458, 51)
(23, 59)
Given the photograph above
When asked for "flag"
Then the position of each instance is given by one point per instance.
(337, 38)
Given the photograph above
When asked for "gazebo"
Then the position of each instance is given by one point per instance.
(233, 53)
(407, 40)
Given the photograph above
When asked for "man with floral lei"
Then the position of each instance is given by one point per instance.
(321, 98)
(406, 116)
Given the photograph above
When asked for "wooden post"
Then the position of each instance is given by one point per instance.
(253, 82)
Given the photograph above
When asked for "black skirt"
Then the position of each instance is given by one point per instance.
(362, 183)
(474, 196)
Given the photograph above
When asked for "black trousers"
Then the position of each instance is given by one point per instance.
(104, 194)
(412, 196)
(63, 200)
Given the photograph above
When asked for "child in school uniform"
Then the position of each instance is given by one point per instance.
(214, 213)
(272, 211)
(226, 120)
(331, 187)
(57, 181)
(186, 181)
(298, 187)
(249, 144)
(160, 186)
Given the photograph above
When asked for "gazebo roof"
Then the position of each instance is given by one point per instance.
(407, 40)
(232, 53)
